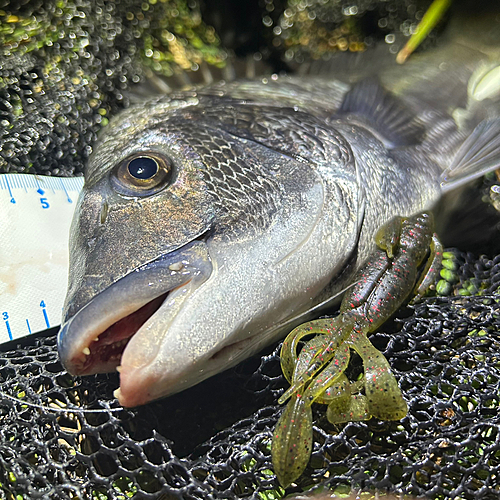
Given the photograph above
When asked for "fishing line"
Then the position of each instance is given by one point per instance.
(69, 409)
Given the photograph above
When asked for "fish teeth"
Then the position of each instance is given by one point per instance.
(86, 351)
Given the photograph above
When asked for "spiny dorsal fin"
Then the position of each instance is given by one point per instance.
(478, 155)
(389, 116)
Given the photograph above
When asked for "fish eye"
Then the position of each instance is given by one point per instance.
(142, 174)
(142, 168)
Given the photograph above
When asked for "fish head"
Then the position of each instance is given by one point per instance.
(124, 220)
(190, 249)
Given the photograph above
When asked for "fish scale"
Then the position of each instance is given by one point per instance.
(238, 185)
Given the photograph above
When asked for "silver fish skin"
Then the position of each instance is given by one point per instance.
(213, 220)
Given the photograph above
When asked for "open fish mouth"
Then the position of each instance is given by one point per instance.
(95, 338)
(104, 351)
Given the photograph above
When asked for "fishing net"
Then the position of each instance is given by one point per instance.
(66, 437)
(65, 67)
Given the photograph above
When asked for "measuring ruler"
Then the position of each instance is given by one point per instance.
(35, 217)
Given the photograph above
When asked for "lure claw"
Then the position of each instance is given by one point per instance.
(316, 374)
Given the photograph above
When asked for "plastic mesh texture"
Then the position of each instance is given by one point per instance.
(67, 66)
(212, 441)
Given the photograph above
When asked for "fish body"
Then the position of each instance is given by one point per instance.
(213, 220)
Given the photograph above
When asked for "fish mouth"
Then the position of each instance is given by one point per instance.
(95, 338)
(104, 352)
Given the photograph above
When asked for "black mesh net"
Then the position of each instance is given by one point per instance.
(65, 67)
(66, 437)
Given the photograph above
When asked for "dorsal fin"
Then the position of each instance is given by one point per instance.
(388, 115)
(478, 155)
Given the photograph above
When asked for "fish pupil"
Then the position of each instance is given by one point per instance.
(143, 168)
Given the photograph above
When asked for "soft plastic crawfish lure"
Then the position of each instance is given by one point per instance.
(317, 375)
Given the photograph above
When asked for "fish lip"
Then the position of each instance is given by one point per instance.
(138, 388)
(145, 288)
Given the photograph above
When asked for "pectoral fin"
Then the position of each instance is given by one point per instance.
(385, 112)
(478, 155)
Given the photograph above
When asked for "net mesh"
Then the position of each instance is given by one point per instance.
(65, 67)
(66, 437)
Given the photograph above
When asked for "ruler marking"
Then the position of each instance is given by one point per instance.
(9, 331)
(40, 191)
(44, 311)
(37, 192)
(13, 185)
(64, 189)
(5, 316)
(12, 200)
(46, 317)
(75, 184)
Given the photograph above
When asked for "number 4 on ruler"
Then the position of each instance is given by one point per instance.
(43, 306)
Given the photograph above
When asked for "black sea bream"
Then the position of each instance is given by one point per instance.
(212, 220)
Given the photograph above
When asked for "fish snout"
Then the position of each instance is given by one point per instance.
(135, 389)
(139, 386)
(95, 338)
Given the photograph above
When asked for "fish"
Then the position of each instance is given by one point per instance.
(215, 219)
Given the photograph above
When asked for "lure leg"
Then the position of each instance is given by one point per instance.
(345, 404)
(339, 329)
(383, 396)
(431, 271)
(292, 441)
